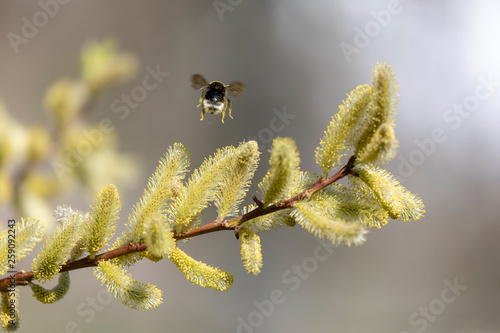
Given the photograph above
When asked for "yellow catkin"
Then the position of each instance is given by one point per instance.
(200, 273)
(50, 296)
(382, 147)
(250, 251)
(235, 184)
(384, 101)
(394, 198)
(135, 295)
(343, 129)
(28, 232)
(102, 220)
(284, 170)
(56, 249)
(158, 236)
(164, 185)
(201, 189)
(311, 217)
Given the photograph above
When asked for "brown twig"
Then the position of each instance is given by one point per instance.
(22, 278)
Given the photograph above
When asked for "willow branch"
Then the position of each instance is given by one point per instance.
(22, 278)
(231, 224)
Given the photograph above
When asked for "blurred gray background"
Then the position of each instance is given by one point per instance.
(289, 54)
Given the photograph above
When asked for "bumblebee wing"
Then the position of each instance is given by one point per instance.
(198, 82)
(235, 88)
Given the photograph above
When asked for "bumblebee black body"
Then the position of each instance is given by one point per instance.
(214, 101)
(213, 97)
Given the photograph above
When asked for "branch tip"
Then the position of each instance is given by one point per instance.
(259, 203)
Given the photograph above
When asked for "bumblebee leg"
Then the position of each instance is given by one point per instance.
(202, 114)
(223, 114)
(229, 106)
(201, 98)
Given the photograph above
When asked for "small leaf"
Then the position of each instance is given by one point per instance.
(133, 294)
(250, 251)
(283, 171)
(200, 273)
(53, 295)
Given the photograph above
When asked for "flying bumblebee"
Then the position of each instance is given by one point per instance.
(213, 97)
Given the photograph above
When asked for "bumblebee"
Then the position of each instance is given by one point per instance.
(213, 97)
